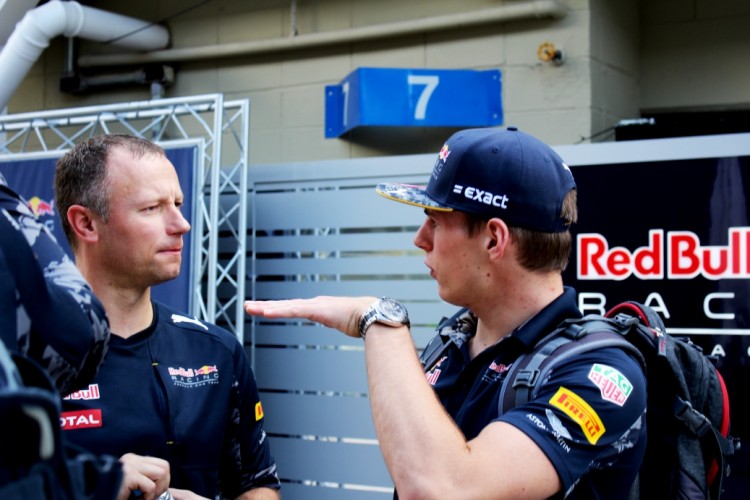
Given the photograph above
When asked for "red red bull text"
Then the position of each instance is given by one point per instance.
(91, 393)
(680, 255)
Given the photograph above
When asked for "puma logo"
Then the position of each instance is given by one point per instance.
(177, 318)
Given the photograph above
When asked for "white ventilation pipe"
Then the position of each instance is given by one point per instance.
(508, 12)
(33, 33)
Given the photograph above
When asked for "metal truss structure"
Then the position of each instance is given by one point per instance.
(220, 129)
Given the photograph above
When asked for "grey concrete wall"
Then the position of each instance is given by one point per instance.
(695, 54)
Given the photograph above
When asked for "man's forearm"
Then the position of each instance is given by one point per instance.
(417, 437)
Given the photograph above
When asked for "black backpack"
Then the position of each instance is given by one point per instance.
(687, 414)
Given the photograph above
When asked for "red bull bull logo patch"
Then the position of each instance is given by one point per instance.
(41, 207)
(205, 370)
(258, 411)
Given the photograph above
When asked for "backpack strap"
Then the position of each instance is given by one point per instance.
(436, 348)
(573, 338)
(712, 439)
(434, 351)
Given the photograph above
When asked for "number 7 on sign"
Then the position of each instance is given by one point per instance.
(430, 83)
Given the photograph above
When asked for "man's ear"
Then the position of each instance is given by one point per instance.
(497, 237)
(82, 222)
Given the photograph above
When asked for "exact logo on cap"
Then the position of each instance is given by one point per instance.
(476, 194)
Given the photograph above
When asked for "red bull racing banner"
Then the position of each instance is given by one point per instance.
(32, 176)
(667, 223)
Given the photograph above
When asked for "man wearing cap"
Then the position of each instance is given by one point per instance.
(499, 206)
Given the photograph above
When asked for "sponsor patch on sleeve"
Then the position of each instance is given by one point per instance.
(580, 412)
(613, 385)
(258, 411)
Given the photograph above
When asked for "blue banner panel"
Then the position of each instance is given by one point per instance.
(34, 180)
(674, 235)
(413, 98)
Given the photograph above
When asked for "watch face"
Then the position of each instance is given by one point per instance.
(386, 311)
(392, 310)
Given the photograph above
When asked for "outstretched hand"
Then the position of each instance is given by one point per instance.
(341, 313)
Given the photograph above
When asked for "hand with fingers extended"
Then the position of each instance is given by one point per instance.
(148, 476)
(341, 313)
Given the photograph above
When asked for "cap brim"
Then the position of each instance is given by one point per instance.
(409, 194)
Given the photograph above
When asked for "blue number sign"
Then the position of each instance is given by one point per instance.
(413, 98)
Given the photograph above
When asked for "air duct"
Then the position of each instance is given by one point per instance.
(40, 25)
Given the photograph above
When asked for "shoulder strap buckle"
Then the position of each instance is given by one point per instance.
(526, 378)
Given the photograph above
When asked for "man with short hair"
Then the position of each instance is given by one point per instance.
(499, 207)
(172, 386)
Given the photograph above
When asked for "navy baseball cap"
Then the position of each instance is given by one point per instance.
(494, 172)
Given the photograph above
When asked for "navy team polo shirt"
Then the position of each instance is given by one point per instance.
(181, 390)
(598, 450)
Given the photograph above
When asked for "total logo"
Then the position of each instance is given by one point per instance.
(83, 419)
(678, 254)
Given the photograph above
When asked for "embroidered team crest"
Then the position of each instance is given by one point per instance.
(194, 377)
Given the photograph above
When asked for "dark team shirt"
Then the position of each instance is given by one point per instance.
(588, 417)
(182, 390)
(48, 312)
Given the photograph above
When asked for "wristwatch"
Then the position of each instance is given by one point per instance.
(386, 311)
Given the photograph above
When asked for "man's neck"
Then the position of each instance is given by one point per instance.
(128, 307)
(129, 310)
(129, 314)
(499, 318)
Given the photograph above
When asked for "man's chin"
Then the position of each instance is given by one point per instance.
(164, 277)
